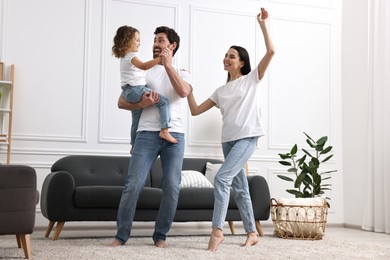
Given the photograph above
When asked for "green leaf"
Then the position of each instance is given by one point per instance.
(308, 137)
(327, 158)
(285, 156)
(329, 171)
(292, 170)
(308, 180)
(299, 180)
(306, 152)
(297, 194)
(294, 149)
(322, 141)
(310, 143)
(315, 162)
(317, 179)
(285, 178)
(326, 150)
(301, 160)
(316, 190)
(285, 163)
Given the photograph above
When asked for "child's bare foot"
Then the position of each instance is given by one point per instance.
(164, 134)
(216, 239)
(160, 244)
(251, 239)
(116, 243)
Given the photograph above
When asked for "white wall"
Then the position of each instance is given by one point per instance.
(67, 81)
(355, 46)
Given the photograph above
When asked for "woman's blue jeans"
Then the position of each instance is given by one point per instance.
(148, 145)
(232, 175)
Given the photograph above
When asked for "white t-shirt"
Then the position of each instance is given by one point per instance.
(158, 80)
(238, 102)
(130, 74)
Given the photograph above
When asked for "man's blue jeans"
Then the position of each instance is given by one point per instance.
(148, 145)
(232, 174)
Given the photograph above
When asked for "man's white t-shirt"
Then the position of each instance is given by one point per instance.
(158, 80)
(130, 74)
(238, 102)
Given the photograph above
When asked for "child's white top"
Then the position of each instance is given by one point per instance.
(239, 106)
(130, 74)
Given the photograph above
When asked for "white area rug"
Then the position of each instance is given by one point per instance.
(194, 247)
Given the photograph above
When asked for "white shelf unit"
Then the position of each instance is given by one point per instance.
(6, 104)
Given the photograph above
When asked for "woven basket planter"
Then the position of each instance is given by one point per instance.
(299, 218)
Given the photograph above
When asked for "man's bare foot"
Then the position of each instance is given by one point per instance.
(116, 243)
(160, 244)
(251, 239)
(164, 134)
(215, 240)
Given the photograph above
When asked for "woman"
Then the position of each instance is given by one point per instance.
(241, 129)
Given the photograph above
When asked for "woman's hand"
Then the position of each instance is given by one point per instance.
(262, 16)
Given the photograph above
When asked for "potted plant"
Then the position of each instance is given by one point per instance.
(308, 181)
(305, 216)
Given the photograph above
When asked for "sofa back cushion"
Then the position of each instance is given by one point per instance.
(92, 170)
(195, 164)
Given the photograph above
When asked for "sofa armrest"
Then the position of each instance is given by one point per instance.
(259, 192)
(57, 195)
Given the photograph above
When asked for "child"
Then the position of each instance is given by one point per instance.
(132, 69)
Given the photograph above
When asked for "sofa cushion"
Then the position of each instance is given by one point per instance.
(91, 170)
(211, 171)
(109, 197)
(200, 198)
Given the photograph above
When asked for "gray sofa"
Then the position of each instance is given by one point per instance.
(89, 188)
(18, 199)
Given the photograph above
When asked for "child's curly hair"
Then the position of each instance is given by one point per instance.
(123, 36)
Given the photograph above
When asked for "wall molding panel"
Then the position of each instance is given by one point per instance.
(115, 13)
(67, 81)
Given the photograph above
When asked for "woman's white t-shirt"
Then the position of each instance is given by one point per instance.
(130, 74)
(239, 106)
(158, 80)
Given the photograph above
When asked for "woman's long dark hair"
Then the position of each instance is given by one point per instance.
(244, 56)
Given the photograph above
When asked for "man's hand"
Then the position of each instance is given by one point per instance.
(166, 56)
(148, 99)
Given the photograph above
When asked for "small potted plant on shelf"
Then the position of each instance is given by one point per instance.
(305, 216)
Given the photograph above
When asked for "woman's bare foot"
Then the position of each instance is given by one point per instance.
(116, 243)
(160, 244)
(216, 239)
(251, 239)
(164, 134)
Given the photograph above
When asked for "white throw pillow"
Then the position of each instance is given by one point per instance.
(194, 179)
(211, 171)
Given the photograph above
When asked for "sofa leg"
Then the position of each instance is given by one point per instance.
(49, 228)
(258, 227)
(59, 227)
(231, 226)
(25, 240)
(18, 241)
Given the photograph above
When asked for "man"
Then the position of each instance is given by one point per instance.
(175, 85)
